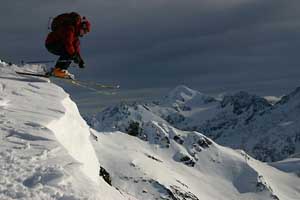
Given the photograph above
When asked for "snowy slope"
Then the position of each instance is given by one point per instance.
(267, 131)
(290, 165)
(45, 145)
(192, 167)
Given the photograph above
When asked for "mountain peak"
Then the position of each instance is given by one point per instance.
(183, 94)
(243, 100)
(293, 95)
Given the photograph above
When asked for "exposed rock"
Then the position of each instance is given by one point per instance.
(134, 128)
(293, 95)
(184, 158)
(153, 158)
(179, 194)
(178, 139)
(105, 175)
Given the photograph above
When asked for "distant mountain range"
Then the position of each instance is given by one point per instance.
(266, 130)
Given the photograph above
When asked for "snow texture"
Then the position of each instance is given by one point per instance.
(45, 150)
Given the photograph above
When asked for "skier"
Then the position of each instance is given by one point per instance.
(63, 41)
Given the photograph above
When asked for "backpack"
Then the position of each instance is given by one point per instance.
(65, 19)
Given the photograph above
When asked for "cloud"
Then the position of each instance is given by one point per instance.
(161, 43)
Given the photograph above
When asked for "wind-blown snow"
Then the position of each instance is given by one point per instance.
(45, 149)
(73, 133)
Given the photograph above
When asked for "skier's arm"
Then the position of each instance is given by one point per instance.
(72, 44)
(78, 59)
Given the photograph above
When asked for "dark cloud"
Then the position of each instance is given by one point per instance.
(165, 43)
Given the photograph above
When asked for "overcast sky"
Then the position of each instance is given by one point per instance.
(164, 43)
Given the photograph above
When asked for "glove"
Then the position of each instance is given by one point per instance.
(81, 64)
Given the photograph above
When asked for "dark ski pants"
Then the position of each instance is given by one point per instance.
(64, 59)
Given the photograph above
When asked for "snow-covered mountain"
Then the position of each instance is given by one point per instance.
(49, 152)
(267, 131)
(189, 166)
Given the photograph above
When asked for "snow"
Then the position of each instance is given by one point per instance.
(47, 150)
(272, 99)
(187, 160)
(73, 133)
(148, 171)
(183, 94)
(207, 171)
(268, 131)
(291, 165)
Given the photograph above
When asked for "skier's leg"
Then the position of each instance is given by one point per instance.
(62, 65)
(63, 62)
(64, 59)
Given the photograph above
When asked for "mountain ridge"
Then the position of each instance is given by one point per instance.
(222, 120)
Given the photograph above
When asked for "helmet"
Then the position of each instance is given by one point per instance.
(85, 25)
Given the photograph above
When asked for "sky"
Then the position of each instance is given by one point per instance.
(165, 43)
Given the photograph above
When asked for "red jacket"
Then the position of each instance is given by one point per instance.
(68, 36)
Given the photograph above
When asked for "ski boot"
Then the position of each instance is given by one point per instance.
(62, 73)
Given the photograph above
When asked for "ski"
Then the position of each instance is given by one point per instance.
(90, 85)
(99, 90)
(33, 74)
(97, 85)
(46, 75)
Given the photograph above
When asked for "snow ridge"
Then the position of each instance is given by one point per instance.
(73, 133)
(183, 94)
(45, 150)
